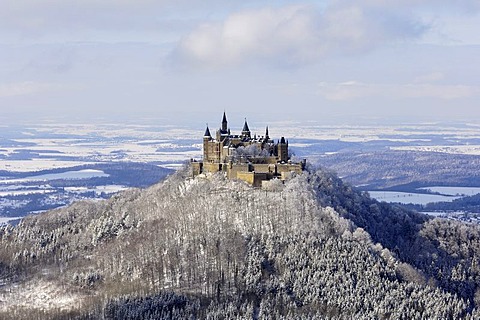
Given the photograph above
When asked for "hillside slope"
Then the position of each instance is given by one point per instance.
(384, 169)
(215, 248)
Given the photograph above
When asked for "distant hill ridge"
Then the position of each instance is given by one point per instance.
(215, 248)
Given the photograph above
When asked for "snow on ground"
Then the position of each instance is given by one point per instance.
(95, 150)
(114, 130)
(78, 174)
(456, 215)
(39, 294)
(112, 188)
(12, 203)
(459, 149)
(38, 164)
(91, 143)
(363, 133)
(24, 192)
(4, 220)
(109, 189)
(173, 166)
(453, 191)
(407, 197)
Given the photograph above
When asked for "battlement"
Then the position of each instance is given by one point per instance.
(251, 159)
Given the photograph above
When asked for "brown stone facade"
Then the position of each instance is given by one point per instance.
(251, 159)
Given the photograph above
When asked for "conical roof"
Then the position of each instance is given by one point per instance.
(207, 132)
(224, 123)
(245, 127)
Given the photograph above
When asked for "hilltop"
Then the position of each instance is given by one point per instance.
(218, 248)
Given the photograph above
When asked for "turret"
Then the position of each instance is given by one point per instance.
(282, 150)
(207, 137)
(207, 134)
(246, 130)
(224, 123)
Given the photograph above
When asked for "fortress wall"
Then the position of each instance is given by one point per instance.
(289, 167)
(248, 177)
(211, 167)
(265, 168)
(233, 169)
(196, 168)
(253, 178)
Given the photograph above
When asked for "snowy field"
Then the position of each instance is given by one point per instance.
(108, 189)
(467, 149)
(23, 192)
(31, 148)
(407, 197)
(454, 191)
(73, 175)
(456, 215)
(47, 146)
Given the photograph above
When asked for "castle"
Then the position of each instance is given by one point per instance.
(252, 159)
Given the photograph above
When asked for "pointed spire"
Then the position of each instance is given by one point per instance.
(245, 126)
(246, 130)
(207, 132)
(224, 122)
(266, 134)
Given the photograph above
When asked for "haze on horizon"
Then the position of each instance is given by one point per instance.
(346, 61)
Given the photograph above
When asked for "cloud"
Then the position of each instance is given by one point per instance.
(27, 88)
(430, 77)
(92, 20)
(351, 90)
(295, 34)
(447, 5)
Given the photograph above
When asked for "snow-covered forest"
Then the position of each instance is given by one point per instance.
(313, 248)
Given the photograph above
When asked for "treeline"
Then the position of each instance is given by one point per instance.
(412, 236)
(313, 248)
(465, 204)
(129, 174)
(390, 168)
(132, 174)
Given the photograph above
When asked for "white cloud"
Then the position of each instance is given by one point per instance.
(92, 20)
(351, 90)
(100, 51)
(267, 33)
(27, 88)
(430, 77)
(294, 34)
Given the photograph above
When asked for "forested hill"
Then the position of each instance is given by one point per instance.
(313, 248)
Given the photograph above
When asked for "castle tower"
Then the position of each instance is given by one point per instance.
(223, 132)
(207, 137)
(224, 123)
(282, 150)
(246, 130)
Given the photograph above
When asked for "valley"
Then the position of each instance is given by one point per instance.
(163, 245)
(44, 166)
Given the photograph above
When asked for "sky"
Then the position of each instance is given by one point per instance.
(179, 61)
